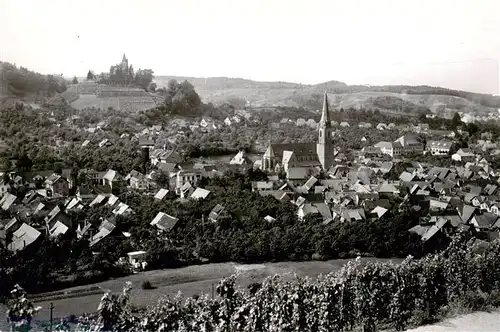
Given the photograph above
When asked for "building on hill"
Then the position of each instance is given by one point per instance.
(304, 154)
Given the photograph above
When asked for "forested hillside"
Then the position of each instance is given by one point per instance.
(241, 92)
(18, 82)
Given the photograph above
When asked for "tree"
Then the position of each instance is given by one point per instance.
(90, 76)
(143, 77)
(75, 80)
(152, 87)
(456, 121)
(24, 163)
(21, 310)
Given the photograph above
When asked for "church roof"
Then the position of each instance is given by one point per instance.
(299, 149)
(325, 117)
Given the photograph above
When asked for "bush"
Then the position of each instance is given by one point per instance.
(146, 284)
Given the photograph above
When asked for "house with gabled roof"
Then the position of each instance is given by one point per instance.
(388, 188)
(186, 190)
(122, 209)
(7, 201)
(325, 212)
(200, 193)
(280, 195)
(463, 155)
(262, 185)
(310, 184)
(55, 215)
(161, 194)
(407, 176)
(216, 212)
(306, 209)
(378, 212)
(241, 158)
(112, 200)
(136, 180)
(484, 221)
(466, 212)
(297, 173)
(164, 221)
(4, 187)
(113, 179)
(97, 200)
(105, 229)
(347, 215)
(24, 236)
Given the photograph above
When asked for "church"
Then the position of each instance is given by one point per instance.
(280, 157)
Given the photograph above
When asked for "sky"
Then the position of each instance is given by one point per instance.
(449, 43)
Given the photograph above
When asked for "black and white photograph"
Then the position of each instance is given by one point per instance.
(249, 165)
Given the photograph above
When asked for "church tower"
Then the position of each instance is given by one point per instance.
(124, 64)
(324, 147)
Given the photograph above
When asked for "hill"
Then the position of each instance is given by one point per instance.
(242, 92)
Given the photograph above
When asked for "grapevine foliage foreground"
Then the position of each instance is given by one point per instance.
(369, 295)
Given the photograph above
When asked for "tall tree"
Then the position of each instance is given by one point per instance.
(456, 121)
(90, 75)
(75, 80)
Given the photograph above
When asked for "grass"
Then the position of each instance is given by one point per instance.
(190, 281)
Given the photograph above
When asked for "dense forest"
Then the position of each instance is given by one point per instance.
(21, 81)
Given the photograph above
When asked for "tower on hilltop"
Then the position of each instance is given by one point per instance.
(324, 147)
(124, 64)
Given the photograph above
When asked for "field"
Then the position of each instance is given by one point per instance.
(118, 103)
(189, 280)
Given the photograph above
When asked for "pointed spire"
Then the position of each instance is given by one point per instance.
(325, 116)
(124, 58)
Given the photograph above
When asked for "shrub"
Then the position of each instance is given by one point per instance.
(146, 284)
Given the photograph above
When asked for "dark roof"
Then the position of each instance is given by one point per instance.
(299, 149)
(297, 173)
(167, 167)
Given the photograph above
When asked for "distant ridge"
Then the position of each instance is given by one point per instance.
(260, 93)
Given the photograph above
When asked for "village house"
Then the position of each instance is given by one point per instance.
(113, 179)
(4, 187)
(164, 222)
(463, 155)
(216, 212)
(57, 185)
(24, 236)
(439, 148)
(184, 176)
(390, 148)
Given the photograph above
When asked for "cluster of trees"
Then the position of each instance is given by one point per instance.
(398, 104)
(21, 81)
(181, 98)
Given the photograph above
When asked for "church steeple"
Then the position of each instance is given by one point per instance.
(324, 147)
(325, 116)
(124, 59)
